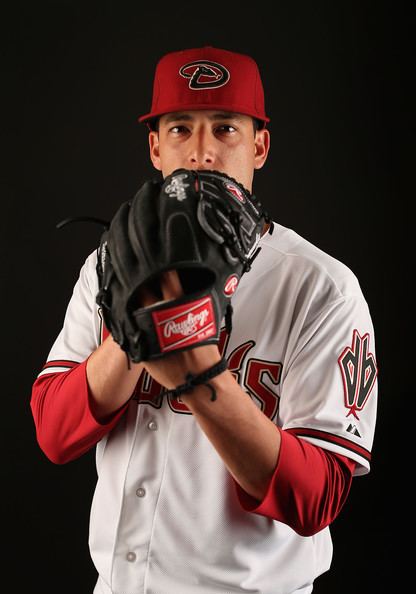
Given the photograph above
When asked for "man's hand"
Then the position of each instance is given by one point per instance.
(170, 371)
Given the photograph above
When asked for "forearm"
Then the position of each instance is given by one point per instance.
(65, 424)
(281, 476)
(243, 436)
(111, 380)
(75, 409)
(308, 489)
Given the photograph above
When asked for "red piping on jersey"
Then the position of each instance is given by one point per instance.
(60, 363)
(330, 437)
(65, 425)
(308, 489)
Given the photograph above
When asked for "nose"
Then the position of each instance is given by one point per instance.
(201, 153)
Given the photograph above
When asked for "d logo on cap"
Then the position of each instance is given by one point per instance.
(205, 74)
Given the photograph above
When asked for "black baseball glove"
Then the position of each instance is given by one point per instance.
(202, 224)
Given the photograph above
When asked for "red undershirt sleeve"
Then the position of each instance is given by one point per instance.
(308, 489)
(65, 425)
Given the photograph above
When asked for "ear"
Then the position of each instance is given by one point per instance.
(154, 148)
(261, 147)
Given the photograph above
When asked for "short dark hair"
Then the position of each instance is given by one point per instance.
(257, 124)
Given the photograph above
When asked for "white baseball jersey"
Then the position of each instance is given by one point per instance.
(165, 516)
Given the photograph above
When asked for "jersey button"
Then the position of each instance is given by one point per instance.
(152, 425)
(131, 556)
(141, 492)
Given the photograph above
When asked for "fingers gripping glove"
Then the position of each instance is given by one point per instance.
(202, 224)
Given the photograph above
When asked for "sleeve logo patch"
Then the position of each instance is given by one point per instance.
(359, 372)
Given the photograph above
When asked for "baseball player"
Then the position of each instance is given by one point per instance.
(234, 493)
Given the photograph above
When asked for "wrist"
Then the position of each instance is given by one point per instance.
(194, 380)
(224, 385)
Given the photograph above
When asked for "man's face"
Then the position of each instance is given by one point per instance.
(225, 142)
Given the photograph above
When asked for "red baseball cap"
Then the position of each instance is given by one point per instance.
(207, 78)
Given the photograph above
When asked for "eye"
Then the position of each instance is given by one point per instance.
(180, 129)
(226, 129)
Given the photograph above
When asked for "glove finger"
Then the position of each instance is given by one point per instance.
(122, 255)
(145, 296)
(171, 285)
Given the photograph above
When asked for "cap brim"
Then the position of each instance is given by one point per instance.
(184, 107)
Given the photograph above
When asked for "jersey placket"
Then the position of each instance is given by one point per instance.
(141, 494)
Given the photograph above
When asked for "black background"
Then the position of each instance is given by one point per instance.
(76, 76)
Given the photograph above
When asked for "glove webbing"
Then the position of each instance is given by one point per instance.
(197, 380)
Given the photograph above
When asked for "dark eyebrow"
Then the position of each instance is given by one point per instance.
(172, 117)
(226, 115)
(186, 117)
